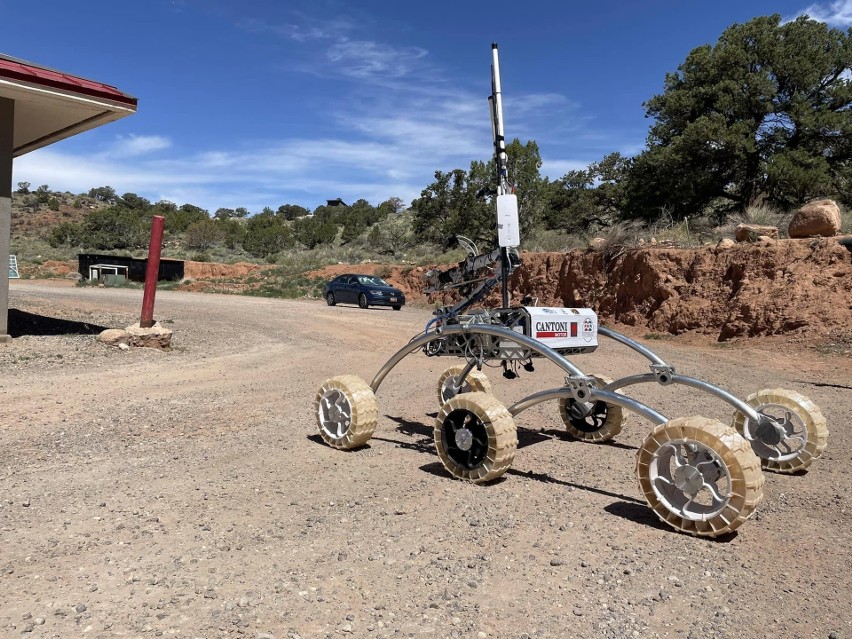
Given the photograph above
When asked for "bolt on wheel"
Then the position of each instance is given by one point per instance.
(794, 436)
(699, 476)
(347, 411)
(474, 381)
(475, 437)
(595, 421)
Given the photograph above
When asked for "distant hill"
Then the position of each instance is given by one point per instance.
(35, 215)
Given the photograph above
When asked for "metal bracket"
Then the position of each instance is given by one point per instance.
(581, 387)
(663, 372)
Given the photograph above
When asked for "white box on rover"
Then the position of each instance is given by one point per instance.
(564, 329)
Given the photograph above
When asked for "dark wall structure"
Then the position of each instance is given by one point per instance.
(136, 268)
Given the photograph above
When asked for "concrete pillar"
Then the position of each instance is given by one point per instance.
(7, 126)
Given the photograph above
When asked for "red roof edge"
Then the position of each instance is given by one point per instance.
(34, 74)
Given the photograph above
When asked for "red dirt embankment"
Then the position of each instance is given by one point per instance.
(748, 290)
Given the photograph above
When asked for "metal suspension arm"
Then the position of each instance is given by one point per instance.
(474, 329)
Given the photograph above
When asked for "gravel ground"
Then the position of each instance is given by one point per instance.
(186, 493)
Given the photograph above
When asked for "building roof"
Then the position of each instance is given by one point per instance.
(51, 105)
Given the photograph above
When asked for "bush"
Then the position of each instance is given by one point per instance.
(202, 235)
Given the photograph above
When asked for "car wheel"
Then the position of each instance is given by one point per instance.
(396, 308)
(362, 301)
(330, 299)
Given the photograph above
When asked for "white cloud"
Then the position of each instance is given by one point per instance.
(835, 14)
(133, 145)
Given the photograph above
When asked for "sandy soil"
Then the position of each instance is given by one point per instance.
(186, 493)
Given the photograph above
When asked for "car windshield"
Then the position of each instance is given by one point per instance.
(372, 280)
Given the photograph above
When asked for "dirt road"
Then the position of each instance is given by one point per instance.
(186, 493)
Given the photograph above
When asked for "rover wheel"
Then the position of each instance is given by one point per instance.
(347, 411)
(699, 475)
(800, 437)
(592, 421)
(329, 299)
(475, 381)
(362, 301)
(475, 437)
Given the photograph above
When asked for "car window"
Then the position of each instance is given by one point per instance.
(372, 280)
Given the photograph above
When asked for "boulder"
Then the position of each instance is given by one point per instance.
(114, 337)
(751, 232)
(816, 219)
(154, 337)
(597, 243)
(725, 243)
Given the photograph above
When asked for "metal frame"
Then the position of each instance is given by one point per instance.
(578, 385)
(664, 374)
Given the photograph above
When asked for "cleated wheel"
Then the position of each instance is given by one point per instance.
(329, 299)
(362, 301)
(475, 437)
(347, 411)
(475, 381)
(592, 421)
(699, 475)
(799, 436)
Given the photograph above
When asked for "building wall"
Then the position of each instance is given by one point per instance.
(7, 124)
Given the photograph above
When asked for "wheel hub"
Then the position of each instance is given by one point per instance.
(770, 432)
(464, 439)
(688, 479)
(335, 414)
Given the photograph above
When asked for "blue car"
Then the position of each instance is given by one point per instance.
(363, 290)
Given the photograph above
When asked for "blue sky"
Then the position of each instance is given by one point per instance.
(260, 103)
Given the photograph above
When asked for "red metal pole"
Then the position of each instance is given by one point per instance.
(152, 273)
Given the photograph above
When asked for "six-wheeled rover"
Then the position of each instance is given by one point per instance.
(699, 475)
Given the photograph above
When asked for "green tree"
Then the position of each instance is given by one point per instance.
(23, 188)
(133, 201)
(116, 228)
(223, 214)
(103, 194)
(393, 235)
(449, 207)
(67, 234)
(178, 220)
(265, 234)
(292, 211)
(203, 234)
(43, 194)
(524, 166)
(312, 231)
(764, 113)
(594, 196)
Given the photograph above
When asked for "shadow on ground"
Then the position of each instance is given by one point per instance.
(22, 323)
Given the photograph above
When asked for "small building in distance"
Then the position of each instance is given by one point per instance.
(336, 202)
(96, 265)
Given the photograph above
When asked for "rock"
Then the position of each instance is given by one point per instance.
(114, 337)
(816, 219)
(73, 275)
(725, 243)
(597, 243)
(751, 232)
(153, 337)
